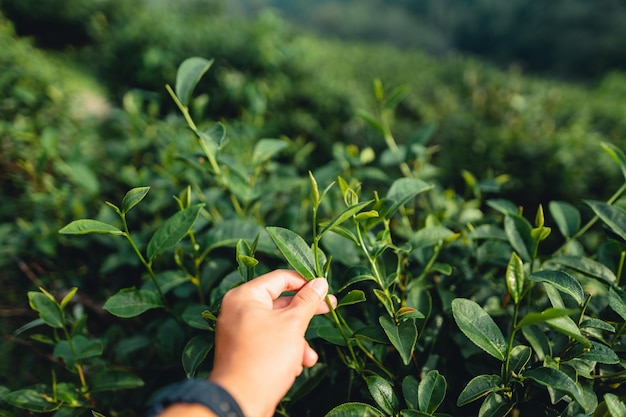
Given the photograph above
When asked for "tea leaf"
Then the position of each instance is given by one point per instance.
(354, 410)
(133, 197)
(345, 215)
(31, 399)
(495, 405)
(85, 226)
(353, 297)
(479, 327)
(518, 230)
(114, 379)
(543, 316)
(188, 75)
(331, 334)
(558, 380)
(613, 216)
(172, 231)
(295, 250)
(479, 387)
(48, 310)
(566, 216)
(404, 189)
(383, 394)
(515, 277)
(130, 302)
(430, 236)
(402, 336)
(601, 354)
(563, 281)
(567, 326)
(410, 390)
(519, 357)
(431, 391)
(586, 266)
(195, 352)
(617, 155)
(266, 149)
(614, 405)
(617, 304)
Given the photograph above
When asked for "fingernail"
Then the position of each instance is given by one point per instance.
(320, 285)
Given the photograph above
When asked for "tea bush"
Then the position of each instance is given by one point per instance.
(447, 305)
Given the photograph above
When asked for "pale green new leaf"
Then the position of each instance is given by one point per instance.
(345, 215)
(130, 302)
(133, 197)
(614, 405)
(188, 75)
(515, 277)
(48, 309)
(172, 231)
(617, 155)
(568, 327)
(85, 226)
(295, 250)
(479, 327)
(562, 281)
(543, 316)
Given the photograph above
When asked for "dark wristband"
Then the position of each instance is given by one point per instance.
(197, 391)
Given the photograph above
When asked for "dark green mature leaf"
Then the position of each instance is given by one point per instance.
(495, 405)
(266, 149)
(133, 197)
(543, 316)
(130, 302)
(82, 348)
(563, 281)
(31, 399)
(402, 336)
(519, 357)
(612, 216)
(195, 352)
(409, 391)
(586, 266)
(86, 226)
(354, 410)
(601, 354)
(431, 391)
(515, 277)
(404, 189)
(518, 230)
(295, 250)
(566, 216)
(430, 236)
(189, 73)
(558, 380)
(479, 387)
(345, 215)
(614, 405)
(538, 340)
(48, 310)
(383, 394)
(331, 334)
(172, 231)
(414, 413)
(479, 327)
(193, 316)
(617, 303)
(353, 297)
(114, 379)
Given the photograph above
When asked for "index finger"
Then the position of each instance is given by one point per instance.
(270, 286)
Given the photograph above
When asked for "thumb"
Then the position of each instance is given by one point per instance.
(308, 298)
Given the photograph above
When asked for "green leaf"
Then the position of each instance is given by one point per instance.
(113, 380)
(402, 336)
(506, 207)
(188, 75)
(601, 354)
(586, 266)
(495, 405)
(566, 216)
(48, 309)
(617, 303)
(266, 149)
(130, 302)
(404, 189)
(431, 392)
(354, 410)
(172, 231)
(515, 277)
(617, 155)
(193, 316)
(331, 334)
(543, 316)
(567, 326)
(614, 405)
(133, 197)
(414, 413)
(353, 297)
(345, 215)
(479, 327)
(383, 394)
(562, 281)
(195, 352)
(538, 340)
(31, 399)
(479, 387)
(409, 391)
(83, 348)
(613, 216)
(518, 230)
(68, 297)
(85, 226)
(295, 250)
(558, 380)
(519, 357)
(430, 236)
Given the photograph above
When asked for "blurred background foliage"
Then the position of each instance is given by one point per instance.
(526, 89)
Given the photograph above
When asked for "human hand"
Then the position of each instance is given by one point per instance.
(260, 347)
